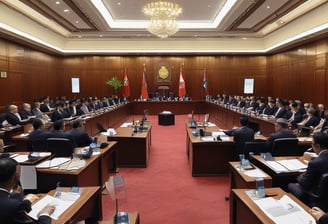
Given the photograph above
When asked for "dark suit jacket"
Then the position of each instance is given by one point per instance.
(288, 114)
(13, 208)
(323, 219)
(270, 110)
(44, 108)
(14, 120)
(81, 138)
(37, 140)
(240, 136)
(281, 134)
(261, 107)
(314, 121)
(38, 135)
(298, 117)
(281, 113)
(57, 115)
(25, 114)
(309, 180)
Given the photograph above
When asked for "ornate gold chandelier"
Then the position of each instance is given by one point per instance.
(162, 18)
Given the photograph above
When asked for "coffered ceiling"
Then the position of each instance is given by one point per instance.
(68, 27)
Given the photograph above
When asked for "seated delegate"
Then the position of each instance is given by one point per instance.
(308, 181)
(13, 206)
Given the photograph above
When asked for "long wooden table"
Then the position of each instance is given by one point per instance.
(244, 210)
(132, 149)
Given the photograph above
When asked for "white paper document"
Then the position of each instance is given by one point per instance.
(284, 210)
(53, 162)
(277, 167)
(255, 173)
(292, 164)
(21, 158)
(28, 177)
(61, 204)
(126, 125)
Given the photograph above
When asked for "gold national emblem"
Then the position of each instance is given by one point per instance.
(163, 73)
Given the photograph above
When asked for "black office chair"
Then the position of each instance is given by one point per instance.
(257, 147)
(285, 147)
(321, 198)
(60, 147)
(39, 145)
(100, 127)
(9, 148)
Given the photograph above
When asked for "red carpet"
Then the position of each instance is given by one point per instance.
(165, 191)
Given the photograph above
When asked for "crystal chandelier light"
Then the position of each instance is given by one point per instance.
(162, 18)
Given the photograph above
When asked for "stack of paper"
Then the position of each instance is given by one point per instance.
(293, 164)
(61, 204)
(284, 210)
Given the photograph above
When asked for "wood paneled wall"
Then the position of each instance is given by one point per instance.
(295, 74)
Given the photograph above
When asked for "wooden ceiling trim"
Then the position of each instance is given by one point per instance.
(282, 11)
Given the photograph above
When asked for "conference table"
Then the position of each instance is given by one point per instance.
(243, 209)
(87, 207)
(132, 148)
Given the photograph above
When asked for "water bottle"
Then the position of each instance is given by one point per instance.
(260, 191)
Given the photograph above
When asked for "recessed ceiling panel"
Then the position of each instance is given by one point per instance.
(204, 10)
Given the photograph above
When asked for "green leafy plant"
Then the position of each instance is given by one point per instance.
(114, 83)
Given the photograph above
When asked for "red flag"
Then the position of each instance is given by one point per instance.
(205, 84)
(144, 89)
(126, 86)
(182, 85)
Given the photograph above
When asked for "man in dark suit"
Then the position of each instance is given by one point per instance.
(271, 108)
(81, 138)
(58, 131)
(311, 120)
(241, 135)
(26, 112)
(297, 116)
(38, 137)
(13, 117)
(13, 206)
(282, 131)
(58, 113)
(308, 182)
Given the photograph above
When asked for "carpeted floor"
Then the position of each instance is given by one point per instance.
(165, 191)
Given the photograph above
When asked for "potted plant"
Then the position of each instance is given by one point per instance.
(114, 83)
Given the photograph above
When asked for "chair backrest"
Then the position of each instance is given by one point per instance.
(39, 145)
(321, 199)
(100, 127)
(285, 147)
(60, 147)
(257, 147)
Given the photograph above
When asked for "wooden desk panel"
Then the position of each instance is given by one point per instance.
(85, 176)
(108, 162)
(176, 107)
(132, 150)
(239, 180)
(244, 210)
(87, 207)
(208, 158)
